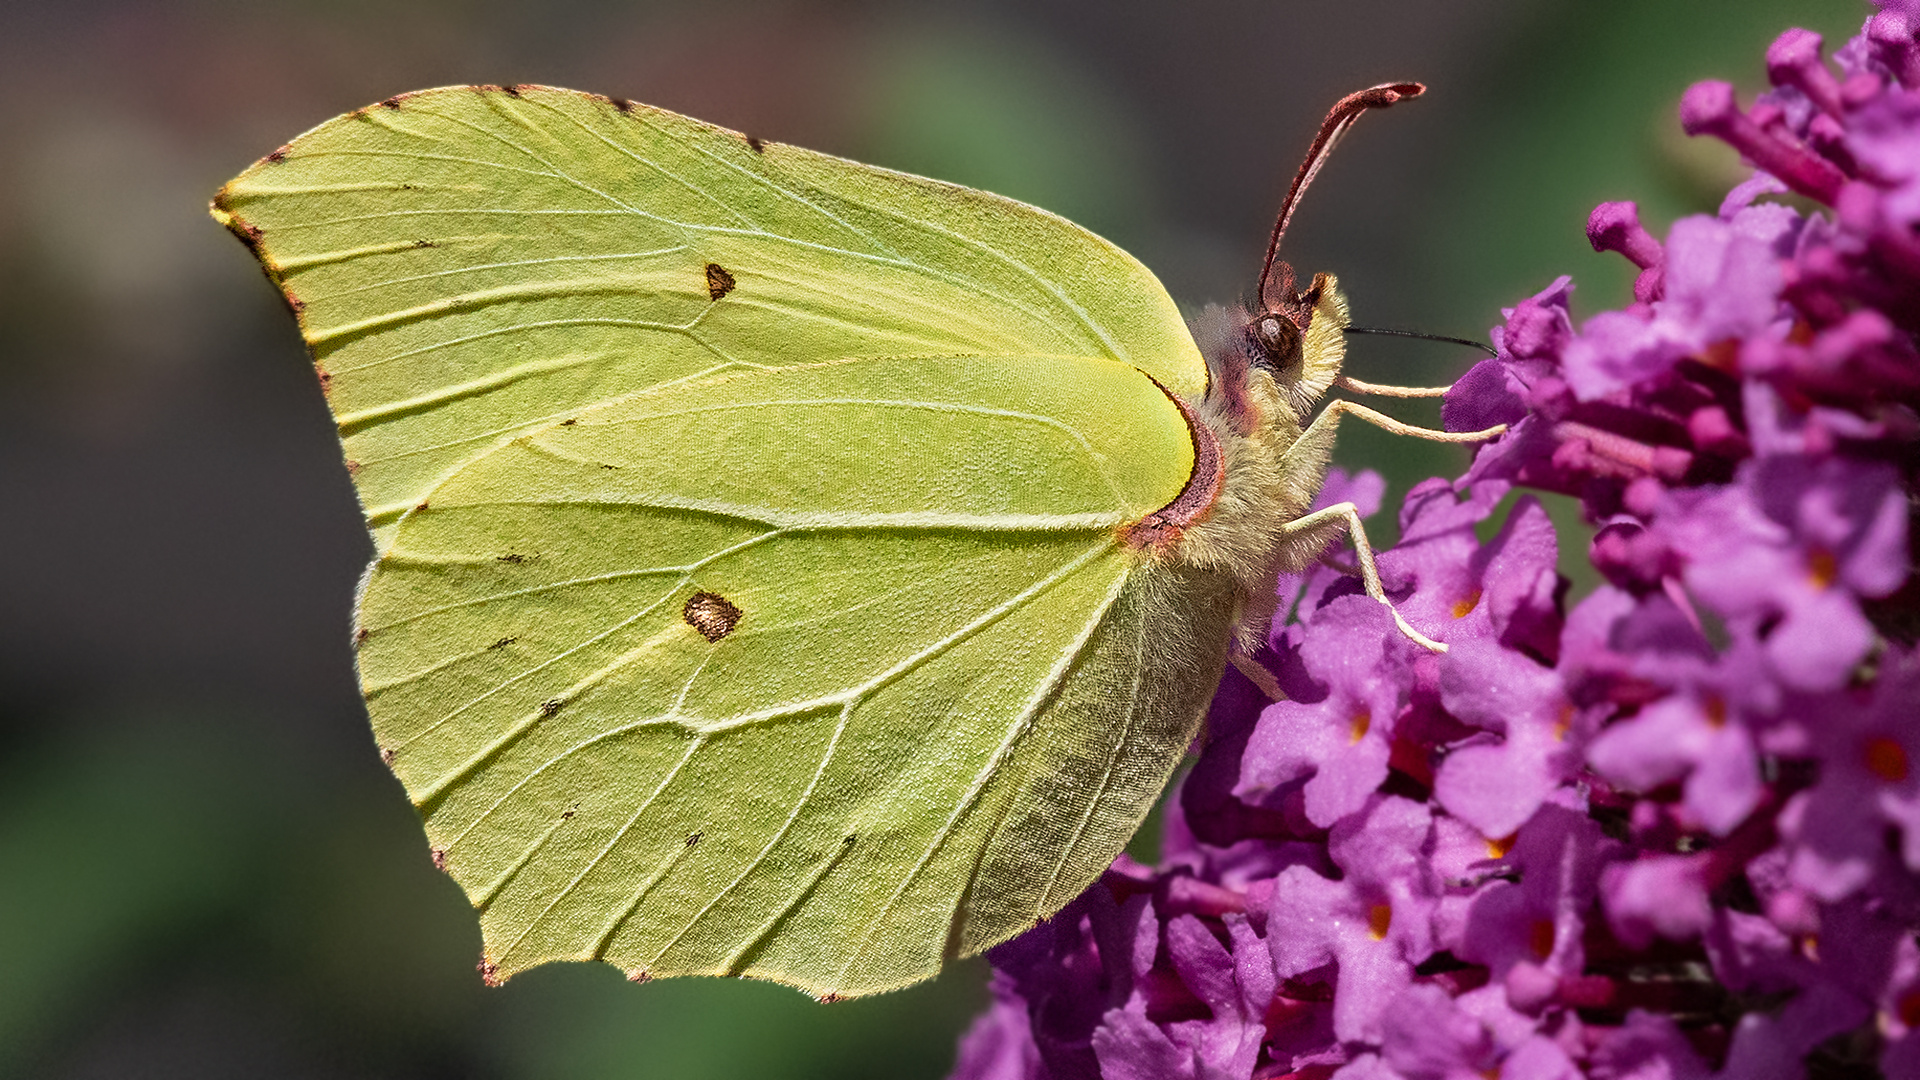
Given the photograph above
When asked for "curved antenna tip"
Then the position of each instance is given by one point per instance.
(1338, 120)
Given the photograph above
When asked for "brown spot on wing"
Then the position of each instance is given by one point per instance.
(489, 972)
(711, 614)
(439, 858)
(754, 144)
(719, 282)
(279, 155)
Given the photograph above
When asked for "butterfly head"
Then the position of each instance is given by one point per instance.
(1273, 365)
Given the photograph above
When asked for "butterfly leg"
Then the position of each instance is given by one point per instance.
(1256, 673)
(1309, 455)
(1349, 515)
(1343, 407)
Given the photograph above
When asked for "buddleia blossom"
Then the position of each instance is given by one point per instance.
(1668, 830)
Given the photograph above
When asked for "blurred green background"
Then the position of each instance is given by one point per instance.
(204, 869)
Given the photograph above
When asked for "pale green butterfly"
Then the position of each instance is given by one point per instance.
(785, 567)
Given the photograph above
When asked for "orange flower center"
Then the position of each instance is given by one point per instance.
(1463, 606)
(1886, 759)
(1362, 720)
(1563, 723)
(1540, 938)
(1716, 709)
(1822, 567)
(1724, 355)
(1379, 918)
(1909, 1008)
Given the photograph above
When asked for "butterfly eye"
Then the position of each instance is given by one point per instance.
(1279, 340)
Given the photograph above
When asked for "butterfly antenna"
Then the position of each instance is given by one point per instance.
(1356, 386)
(1339, 119)
(1386, 332)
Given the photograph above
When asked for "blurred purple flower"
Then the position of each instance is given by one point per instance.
(1868, 798)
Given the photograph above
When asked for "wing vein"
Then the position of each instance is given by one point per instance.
(483, 897)
(525, 724)
(1106, 775)
(983, 777)
(693, 745)
(793, 815)
(458, 270)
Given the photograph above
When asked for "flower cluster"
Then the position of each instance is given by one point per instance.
(1670, 831)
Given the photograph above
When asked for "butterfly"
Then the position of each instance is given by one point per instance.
(784, 567)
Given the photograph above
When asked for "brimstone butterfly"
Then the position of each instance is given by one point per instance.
(785, 567)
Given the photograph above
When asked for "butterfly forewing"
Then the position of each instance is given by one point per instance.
(470, 261)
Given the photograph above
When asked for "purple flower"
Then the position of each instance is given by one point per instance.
(1304, 590)
(999, 1045)
(1719, 282)
(1373, 925)
(1431, 1038)
(1235, 986)
(1797, 541)
(1647, 1046)
(1686, 738)
(1438, 573)
(1671, 833)
(1658, 896)
(1766, 1046)
(1528, 929)
(1497, 785)
(1700, 735)
(1869, 789)
(1340, 743)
